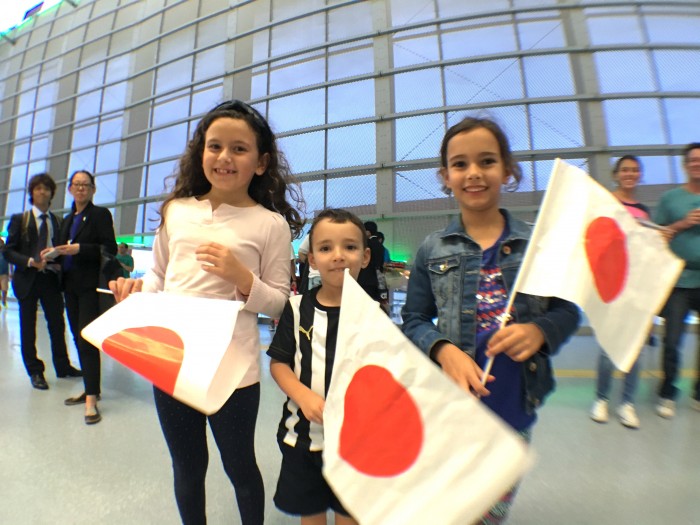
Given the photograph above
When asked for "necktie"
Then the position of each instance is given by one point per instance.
(43, 234)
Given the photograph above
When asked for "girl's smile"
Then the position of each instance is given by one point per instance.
(628, 174)
(475, 170)
(230, 160)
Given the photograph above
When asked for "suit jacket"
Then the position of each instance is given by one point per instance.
(96, 237)
(21, 246)
(368, 278)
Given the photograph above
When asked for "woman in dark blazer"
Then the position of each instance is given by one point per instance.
(86, 234)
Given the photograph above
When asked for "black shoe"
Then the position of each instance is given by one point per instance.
(39, 382)
(93, 418)
(71, 372)
(77, 400)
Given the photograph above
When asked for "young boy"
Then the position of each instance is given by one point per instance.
(302, 354)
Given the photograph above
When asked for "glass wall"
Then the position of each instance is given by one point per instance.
(359, 92)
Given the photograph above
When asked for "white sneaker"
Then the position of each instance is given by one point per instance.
(599, 411)
(695, 404)
(628, 415)
(666, 408)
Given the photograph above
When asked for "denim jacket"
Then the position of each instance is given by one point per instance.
(444, 282)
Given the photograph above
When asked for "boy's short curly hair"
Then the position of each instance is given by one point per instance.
(338, 216)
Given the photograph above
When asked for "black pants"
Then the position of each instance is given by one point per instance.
(233, 427)
(47, 291)
(83, 308)
(681, 301)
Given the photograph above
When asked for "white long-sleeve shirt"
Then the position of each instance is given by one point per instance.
(259, 237)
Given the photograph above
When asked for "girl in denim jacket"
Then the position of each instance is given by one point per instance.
(461, 276)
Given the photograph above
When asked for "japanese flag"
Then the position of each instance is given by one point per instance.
(181, 344)
(588, 249)
(403, 444)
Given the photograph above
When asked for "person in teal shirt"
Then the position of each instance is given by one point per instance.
(126, 260)
(679, 211)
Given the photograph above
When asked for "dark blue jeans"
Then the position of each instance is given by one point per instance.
(681, 301)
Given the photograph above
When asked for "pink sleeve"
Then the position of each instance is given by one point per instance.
(270, 290)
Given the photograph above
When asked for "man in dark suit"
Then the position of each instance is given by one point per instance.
(37, 279)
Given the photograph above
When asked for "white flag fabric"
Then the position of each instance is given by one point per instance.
(176, 342)
(403, 444)
(588, 249)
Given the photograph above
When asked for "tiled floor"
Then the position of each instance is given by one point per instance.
(56, 470)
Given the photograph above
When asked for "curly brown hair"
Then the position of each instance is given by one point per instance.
(269, 190)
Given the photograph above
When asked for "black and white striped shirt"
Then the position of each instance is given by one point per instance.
(305, 340)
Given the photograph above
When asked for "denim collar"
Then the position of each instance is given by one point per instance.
(518, 229)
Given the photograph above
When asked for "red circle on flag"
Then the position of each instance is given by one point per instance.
(154, 352)
(606, 251)
(382, 430)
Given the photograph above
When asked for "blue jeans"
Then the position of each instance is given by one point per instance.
(605, 372)
(681, 301)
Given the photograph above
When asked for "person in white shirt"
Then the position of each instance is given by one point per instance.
(225, 234)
